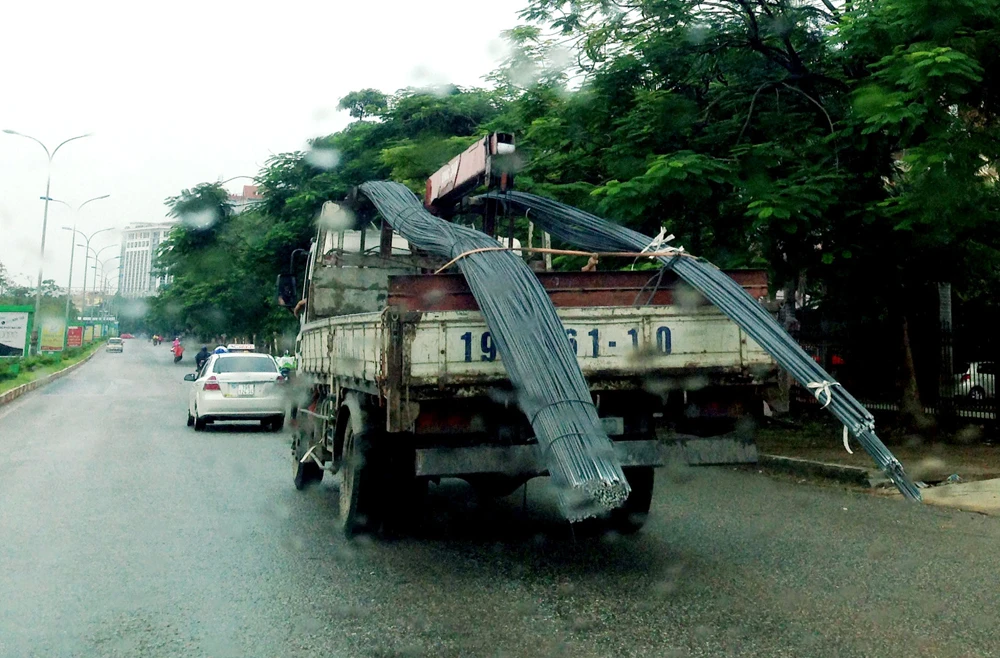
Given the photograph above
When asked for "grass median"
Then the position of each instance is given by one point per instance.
(40, 371)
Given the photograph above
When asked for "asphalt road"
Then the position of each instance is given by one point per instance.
(125, 533)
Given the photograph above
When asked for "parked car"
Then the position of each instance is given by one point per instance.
(114, 345)
(976, 380)
(239, 386)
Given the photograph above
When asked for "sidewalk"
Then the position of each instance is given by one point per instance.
(976, 464)
(929, 462)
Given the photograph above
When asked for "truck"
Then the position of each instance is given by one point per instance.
(399, 383)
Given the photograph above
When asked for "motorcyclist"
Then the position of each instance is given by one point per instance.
(286, 364)
(201, 357)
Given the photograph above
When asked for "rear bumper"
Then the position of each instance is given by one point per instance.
(223, 408)
(526, 460)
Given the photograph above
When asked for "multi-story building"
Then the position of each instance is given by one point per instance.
(140, 242)
(241, 202)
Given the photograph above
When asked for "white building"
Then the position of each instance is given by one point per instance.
(140, 242)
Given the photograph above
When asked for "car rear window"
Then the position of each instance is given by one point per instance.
(114, 341)
(244, 364)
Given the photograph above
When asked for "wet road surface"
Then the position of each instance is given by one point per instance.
(125, 533)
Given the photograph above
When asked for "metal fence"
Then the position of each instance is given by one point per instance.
(955, 371)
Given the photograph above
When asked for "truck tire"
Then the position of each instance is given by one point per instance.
(356, 481)
(630, 517)
(303, 474)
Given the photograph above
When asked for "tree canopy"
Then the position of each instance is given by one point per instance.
(846, 147)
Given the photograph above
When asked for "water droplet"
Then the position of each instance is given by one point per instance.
(324, 158)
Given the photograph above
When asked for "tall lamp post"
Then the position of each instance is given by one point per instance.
(97, 254)
(72, 252)
(104, 280)
(86, 256)
(45, 213)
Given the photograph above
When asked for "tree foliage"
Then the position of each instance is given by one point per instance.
(850, 148)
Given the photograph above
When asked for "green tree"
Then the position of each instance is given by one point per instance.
(364, 103)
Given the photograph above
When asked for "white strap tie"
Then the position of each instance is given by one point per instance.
(847, 445)
(819, 388)
(659, 243)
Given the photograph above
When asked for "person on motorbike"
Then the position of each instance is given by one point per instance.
(201, 357)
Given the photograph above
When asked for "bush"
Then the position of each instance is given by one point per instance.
(8, 368)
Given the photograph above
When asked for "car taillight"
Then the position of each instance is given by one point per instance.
(212, 384)
(281, 379)
(966, 377)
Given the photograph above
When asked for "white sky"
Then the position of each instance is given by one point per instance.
(189, 91)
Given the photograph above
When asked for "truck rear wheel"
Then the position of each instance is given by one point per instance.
(630, 517)
(303, 474)
(356, 480)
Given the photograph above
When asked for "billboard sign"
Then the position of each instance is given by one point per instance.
(15, 323)
(74, 337)
(53, 331)
(88, 334)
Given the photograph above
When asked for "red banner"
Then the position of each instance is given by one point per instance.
(75, 337)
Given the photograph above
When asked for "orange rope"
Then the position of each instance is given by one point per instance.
(564, 252)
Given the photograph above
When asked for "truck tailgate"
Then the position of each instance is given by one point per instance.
(456, 346)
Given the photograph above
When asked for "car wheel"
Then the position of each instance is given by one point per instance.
(277, 423)
(199, 422)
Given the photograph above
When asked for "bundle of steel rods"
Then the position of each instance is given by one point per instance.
(588, 231)
(533, 348)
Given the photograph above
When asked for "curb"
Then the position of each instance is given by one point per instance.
(15, 393)
(847, 474)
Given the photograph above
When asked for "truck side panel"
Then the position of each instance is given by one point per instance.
(349, 346)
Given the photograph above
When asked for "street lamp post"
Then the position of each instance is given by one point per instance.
(104, 281)
(45, 215)
(97, 255)
(72, 253)
(86, 256)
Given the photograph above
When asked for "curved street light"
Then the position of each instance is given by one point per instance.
(104, 268)
(45, 213)
(72, 253)
(86, 256)
(97, 255)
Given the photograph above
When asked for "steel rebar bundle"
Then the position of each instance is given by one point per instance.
(533, 348)
(591, 232)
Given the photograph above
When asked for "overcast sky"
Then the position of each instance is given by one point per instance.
(185, 92)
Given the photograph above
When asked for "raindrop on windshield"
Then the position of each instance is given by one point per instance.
(323, 158)
(200, 219)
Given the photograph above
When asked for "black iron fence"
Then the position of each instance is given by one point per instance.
(953, 372)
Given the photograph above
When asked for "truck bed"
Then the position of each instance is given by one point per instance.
(432, 340)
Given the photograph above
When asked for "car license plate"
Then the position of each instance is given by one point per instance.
(244, 390)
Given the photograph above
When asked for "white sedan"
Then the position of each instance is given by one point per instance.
(237, 386)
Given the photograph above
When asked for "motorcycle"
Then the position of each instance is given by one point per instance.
(178, 354)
